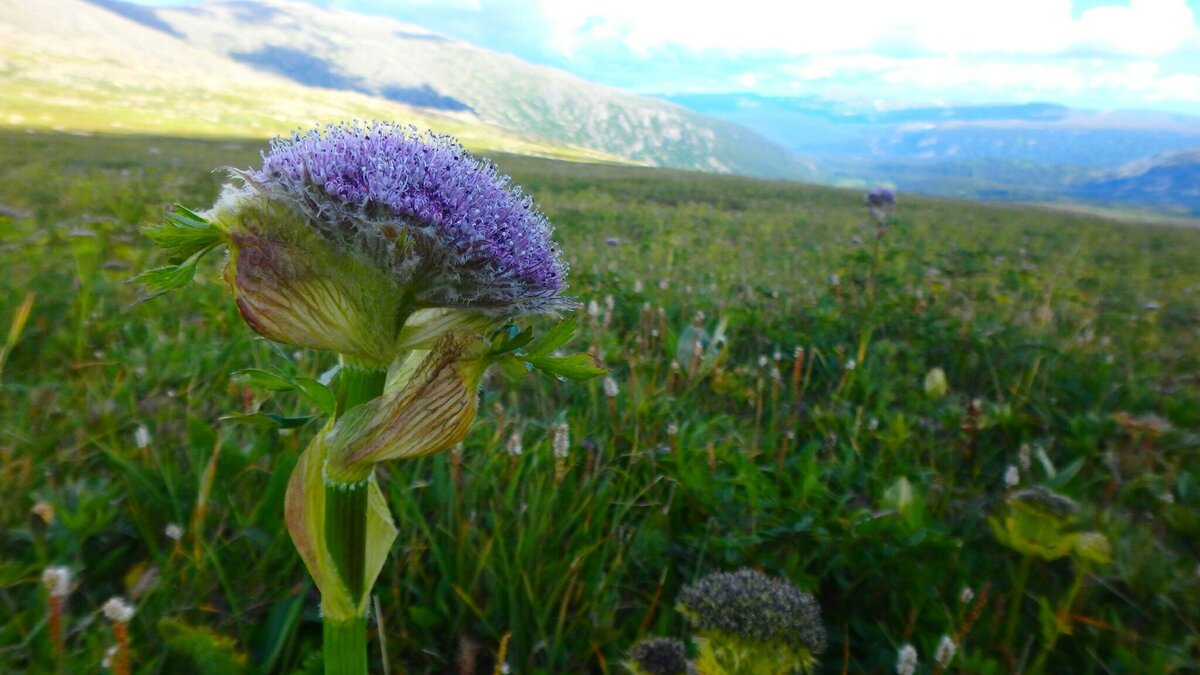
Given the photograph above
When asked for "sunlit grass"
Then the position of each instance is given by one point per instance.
(828, 466)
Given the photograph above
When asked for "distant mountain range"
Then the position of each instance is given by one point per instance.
(264, 67)
(325, 48)
(1018, 152)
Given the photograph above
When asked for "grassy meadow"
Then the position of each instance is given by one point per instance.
(803, 444)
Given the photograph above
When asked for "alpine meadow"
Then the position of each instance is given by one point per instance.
(291, 381)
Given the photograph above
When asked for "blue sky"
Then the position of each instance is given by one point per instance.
(1093, 53)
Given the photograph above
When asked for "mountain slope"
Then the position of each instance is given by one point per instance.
(1170, 180)
(389, 59)
(72, 65)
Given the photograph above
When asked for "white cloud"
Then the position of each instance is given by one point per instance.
(1143, 28)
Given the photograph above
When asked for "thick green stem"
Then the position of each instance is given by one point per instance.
(1014, 603)
(346, 533)
(346, 647)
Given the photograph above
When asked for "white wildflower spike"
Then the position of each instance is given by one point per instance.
(966, 595)
(117, 610)
(906, 660)
(57, 581)
(141, 437)
(610, 387)
(514, 444)
(173, 531)
(1024, 459)
(562, 440)
(945, 651)
(593, 308)
(1012, 476)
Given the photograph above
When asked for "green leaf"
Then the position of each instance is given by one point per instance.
(263, 379)
(206, 651)
(559, 335)
(171, 277)
(577, 367)
(317, 394)
(263, 419)
(311, 390)
(509, 340)
(513, 367)
(184, 234)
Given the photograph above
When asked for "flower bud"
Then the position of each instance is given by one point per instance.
(745, 617)
(658, 656)
(935, 383)
(418, 414)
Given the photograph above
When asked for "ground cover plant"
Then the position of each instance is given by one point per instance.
(860, 416)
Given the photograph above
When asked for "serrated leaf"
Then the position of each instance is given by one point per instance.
(510, 339)
(512, 367)
(577, 367)
(559, 335)
(165, 279)
(184, 234)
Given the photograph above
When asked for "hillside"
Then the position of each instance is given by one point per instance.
(1170, 180)
(384, 58)
(1035, 151)
(71, 65)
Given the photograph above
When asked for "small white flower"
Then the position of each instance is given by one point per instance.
(173, 531)
(638, 286)
(141, 437)
(906, 660)
(610, 387)
(593, 308)
(664, 284)
(562, 440)
(57, 581)
(109, 653)
(514, 444)
(117, 610)
(672, 428)
(851, 364)
(945, 651)
(609, 303)
(873, 424)
(1166, 497)
(1012, 476)
(834, 280)
(966, 595)
(1023, 457)
(763, 361)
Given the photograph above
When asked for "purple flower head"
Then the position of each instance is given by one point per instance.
(447, 228)
(881, 198)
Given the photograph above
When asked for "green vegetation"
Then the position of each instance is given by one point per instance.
(1069, 347)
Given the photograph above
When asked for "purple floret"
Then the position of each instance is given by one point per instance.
(448, 226)
(881, 198)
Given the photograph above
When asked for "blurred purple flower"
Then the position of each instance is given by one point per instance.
(881, 198)
(448, 228)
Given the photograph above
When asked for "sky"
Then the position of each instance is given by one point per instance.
(1100, 54)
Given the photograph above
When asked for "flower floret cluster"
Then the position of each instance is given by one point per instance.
(754, 606)
(446, 226)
